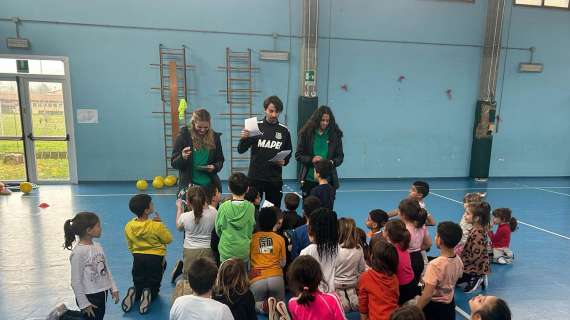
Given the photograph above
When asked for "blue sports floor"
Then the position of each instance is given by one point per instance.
(34, 268)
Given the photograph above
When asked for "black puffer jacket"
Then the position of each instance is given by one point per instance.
(215, 158)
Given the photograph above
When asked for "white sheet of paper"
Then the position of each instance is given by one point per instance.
(267, 204)
(281, 155)
(251, 126)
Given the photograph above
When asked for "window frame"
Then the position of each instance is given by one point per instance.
(541, 6)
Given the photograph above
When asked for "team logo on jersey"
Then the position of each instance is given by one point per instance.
(278, 136)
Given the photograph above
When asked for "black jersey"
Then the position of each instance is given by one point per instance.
(275, 138)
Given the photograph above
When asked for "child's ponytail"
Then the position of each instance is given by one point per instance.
(197, 199)
(513, 223)
(305, 297)
(305, 276)
(69, 234)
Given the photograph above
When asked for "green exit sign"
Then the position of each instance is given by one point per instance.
(310, 76)
(22, 66)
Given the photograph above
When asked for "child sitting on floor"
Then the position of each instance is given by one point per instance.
(501, 240)
(350, 264)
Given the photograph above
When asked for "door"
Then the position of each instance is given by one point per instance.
(36, 130)
(12, 155)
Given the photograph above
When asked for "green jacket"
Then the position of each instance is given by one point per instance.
(234, 225)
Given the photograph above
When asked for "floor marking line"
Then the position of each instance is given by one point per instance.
(521, 222)
(338, 191)
(541, 189)
(446, 198)
(462, 313)
(544, 230)
(545, 190)
(450, 189)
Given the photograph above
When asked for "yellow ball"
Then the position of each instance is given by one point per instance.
(26, 187)
(170, 181)
(159, 178)
(157, 184)
(142, 185)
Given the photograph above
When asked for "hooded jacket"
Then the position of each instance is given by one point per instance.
(234, 225)
(215, 158)
(147, 237)
(378, 294)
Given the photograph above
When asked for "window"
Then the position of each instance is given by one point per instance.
(563, 4)
(47, 67)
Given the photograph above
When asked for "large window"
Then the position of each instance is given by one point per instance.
(560, 4)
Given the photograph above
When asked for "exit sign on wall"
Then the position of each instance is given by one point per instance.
(310, 75)
(22, 66)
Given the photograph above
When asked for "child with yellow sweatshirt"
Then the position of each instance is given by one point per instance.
(147, 240)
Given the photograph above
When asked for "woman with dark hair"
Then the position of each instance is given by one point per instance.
(320, 138)
(197, 152)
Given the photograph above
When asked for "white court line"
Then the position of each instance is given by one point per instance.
(338, 191)
(537, 228)
(444, 197)
(560, 193)
(521, 222)
(462, 313)
(450, 189)
(542, 189)
(47, 193)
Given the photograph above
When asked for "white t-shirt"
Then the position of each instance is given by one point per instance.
(193, 307)
(89, 272)
(198, 236)
(328, 267)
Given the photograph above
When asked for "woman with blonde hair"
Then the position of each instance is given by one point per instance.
(197, 152)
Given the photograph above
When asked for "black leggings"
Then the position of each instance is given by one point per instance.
(98, 300)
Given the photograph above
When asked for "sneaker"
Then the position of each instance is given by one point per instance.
(502, 260)
(271, 304)
(145, 301)
(177, 271)
(474, 284)
(282, 311)
(485, 282)
(128, 300)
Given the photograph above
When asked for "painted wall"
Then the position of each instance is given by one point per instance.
(534, 137)
(110, 68)
(392, 129)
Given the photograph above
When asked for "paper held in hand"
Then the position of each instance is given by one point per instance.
(267, 204)
(251, 126)
(281, 155)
